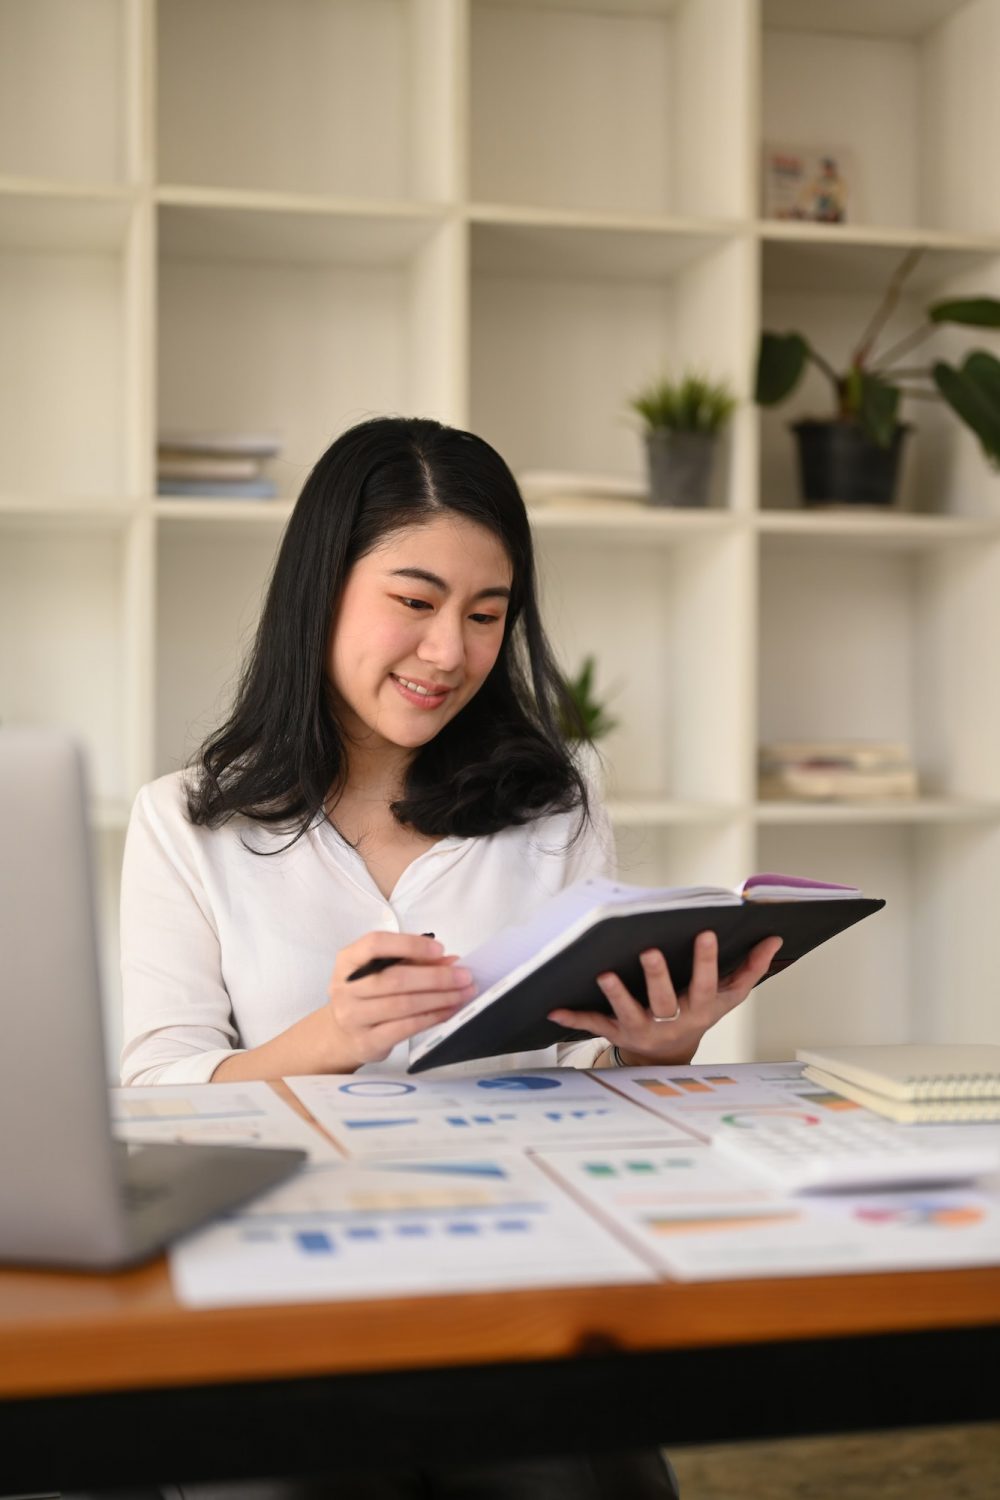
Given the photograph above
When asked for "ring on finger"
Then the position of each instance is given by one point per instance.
(660, 1019)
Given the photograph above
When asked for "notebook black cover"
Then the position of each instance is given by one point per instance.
(517, 1022)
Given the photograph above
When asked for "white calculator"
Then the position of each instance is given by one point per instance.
(799, 1156)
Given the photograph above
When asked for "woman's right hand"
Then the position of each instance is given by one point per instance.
(370, 1016)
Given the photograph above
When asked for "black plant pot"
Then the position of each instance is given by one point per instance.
(840, 465)
(680, 467)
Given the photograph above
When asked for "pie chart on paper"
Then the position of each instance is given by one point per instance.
(519, 1081)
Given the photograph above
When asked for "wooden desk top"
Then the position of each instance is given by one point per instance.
(79, 1333)
(62, 1333)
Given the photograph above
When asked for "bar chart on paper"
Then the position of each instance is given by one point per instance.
(339, 1091)
(395, 1228)
(701, 1098)
(373, 1117)
(701, 1219)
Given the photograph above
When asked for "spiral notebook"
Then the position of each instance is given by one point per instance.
(914, 1083)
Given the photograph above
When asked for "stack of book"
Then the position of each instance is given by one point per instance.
(914, 1083)
(550, 486)
(835, 770)
(216, 465)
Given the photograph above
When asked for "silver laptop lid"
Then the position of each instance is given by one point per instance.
(58, 1175)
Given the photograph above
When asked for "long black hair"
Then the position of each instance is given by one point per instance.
(501, 761)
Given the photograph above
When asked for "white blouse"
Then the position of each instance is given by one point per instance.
(223, 947)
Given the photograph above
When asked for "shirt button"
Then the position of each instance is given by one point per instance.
(389, 920)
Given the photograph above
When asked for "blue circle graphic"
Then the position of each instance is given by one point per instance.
(518, 1081)
(377, 1088)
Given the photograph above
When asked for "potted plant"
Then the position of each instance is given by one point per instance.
(853, 456)
(683, 419)
(584, 719)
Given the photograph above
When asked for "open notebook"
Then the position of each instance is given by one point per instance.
(553, 959)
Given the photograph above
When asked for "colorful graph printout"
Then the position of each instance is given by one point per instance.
(368, 1089)
(376, 1088)
(432, 1131)
(660, 1191)
(595, 1208)
(660, 1087)
(220, 1114)
(763, 1114)
(356, 1229)
(697, 1220)
(163, 1102)
(924, 1213)
(700, 1098)
(519, 1083)
(835, 1103)
(448, 1115)
(719, 1222)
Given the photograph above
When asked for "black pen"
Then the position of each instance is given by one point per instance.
(376, 965)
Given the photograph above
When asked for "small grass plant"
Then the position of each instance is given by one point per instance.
(583, 715)
(692, 403)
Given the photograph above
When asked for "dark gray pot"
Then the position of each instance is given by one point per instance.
(840, 465)
(680, 467)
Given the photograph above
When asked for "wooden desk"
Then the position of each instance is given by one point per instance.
(107, 1381)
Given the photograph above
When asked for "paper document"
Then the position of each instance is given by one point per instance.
(332, 1093)
(217, 1114)
(701, 1220)
(391, 1116)
(401, 1228)
(541, 1178)
(698, 1097)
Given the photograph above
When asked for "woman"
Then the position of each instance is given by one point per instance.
(392, 768)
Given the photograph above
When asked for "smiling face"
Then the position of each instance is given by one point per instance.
(418, 629)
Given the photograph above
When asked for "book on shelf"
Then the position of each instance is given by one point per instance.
(231, 444)
(216, 465)
(914, 1083)
(227, 489)
(833, 770)
(172, 464)
(552, 961)
(540, 486)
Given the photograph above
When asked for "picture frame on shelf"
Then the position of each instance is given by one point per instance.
(814, 184)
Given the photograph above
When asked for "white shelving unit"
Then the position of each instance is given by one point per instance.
(289, 214)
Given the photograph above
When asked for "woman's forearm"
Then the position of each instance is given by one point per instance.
(308, 1046)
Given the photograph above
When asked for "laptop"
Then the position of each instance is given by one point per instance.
(70, 1194)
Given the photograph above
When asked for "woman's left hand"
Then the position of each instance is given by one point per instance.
(670, 1028)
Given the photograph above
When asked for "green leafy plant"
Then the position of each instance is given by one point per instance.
(870, 390)
(583, 716)
(690, 404)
